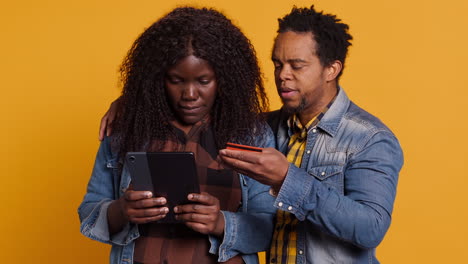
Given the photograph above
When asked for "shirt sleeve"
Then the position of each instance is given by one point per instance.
(362, 214)
(248, 232)
(99, 195)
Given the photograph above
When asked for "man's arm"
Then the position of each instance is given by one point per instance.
(250, 230)
(361, 215)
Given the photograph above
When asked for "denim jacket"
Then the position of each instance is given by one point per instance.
(242, 229)
(343, 193)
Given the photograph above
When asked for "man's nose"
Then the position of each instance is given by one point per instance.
(285, 73)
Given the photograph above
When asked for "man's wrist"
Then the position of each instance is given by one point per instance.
(273, 192)
(275, 189)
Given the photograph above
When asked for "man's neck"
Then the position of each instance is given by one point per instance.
(316, 108)
(305, 118)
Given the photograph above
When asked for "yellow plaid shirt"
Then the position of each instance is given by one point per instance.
(283, 246)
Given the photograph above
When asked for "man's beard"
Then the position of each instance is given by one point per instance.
(296, 110)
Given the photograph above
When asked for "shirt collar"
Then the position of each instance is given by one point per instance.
(295, 126)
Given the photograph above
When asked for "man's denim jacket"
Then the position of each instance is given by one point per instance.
(343, 193)
(246, 232)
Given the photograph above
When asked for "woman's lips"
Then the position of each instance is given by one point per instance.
(190, 109)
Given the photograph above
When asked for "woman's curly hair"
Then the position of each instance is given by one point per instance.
(144, 113)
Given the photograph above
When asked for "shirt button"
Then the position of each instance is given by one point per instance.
(301, 252)
(314, 130)
(280, 204)
(290, 208)
(308, 152)
(323, 173)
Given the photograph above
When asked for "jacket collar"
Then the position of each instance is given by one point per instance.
(332, 118)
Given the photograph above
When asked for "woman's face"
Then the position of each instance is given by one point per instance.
(191, 89)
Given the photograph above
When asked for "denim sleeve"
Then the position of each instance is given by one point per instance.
(100, 193)
(362, 215)
(249, 231)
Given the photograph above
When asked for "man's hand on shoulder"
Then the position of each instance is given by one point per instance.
(107, 119)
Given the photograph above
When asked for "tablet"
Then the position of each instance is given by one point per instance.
(172, 175)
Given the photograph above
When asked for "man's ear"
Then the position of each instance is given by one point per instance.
(333, 70)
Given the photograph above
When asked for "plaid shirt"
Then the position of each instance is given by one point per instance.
(283, 247)
(175, 243)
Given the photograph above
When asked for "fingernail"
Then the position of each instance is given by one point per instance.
(166, 210)
(222, 152)
(149, 194)
(190, 196)
(176, 209)
(162, 200)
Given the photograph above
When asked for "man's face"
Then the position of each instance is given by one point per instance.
(300, 77)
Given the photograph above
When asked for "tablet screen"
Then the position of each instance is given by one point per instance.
(172, 175)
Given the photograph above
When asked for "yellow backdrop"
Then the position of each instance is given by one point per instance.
(58, 68)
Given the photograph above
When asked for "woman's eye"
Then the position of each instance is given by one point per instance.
(174, 80)
(204, 81)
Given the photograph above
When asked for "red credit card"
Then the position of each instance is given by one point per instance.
(234, 146)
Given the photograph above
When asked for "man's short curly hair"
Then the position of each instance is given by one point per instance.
(144, 113)
(330, 34)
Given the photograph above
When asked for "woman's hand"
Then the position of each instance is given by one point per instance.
(139, 207)
(203, 215)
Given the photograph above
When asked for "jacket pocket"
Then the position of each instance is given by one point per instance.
(331, 175)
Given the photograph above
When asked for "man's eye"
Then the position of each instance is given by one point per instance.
(296, 67)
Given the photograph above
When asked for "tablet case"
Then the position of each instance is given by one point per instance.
(172, 175)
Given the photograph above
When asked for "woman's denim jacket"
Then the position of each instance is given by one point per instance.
(343, 193)
(246, 232)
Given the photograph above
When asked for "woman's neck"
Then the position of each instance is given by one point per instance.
(184, 127)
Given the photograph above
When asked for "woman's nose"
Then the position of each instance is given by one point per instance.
(190, 92)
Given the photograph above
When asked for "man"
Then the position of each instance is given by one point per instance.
(336, 186)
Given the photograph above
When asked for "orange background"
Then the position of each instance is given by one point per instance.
(58, 68)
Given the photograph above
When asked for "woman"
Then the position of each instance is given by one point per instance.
(191, 83)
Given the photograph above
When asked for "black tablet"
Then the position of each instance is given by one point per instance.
(169, 174)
